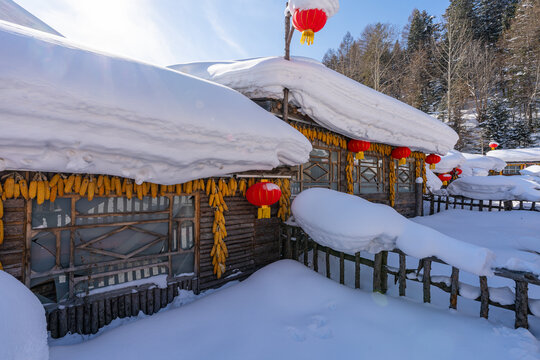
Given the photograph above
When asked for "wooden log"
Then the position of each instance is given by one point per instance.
(357, 270)
(384, 272)
(522, 305)
(135, 303)
(490, 205)
(521, 205)
(455, 202)
(454, 287)
(426, 279)
(328, 263)
(114, 308)
(472, 204)
(377, 268)
(53, 321)
(150, 301)
(101, 313)
(296, 244)
(163, 297)
(157, 299)
(94, 318)
(175, 289)
(341, 268)
(484, 297)
(72, 319)
(432, 205)
(481, 205)
(419, 199)
(62, 321)
(288, 240)
(447, 203)
(142, 302)
(108, 314)
(402, 274)
(316, 257)
(79, 314)
(127, 305)
(87, 318)
(121, 307)
(438, 204)
(305, 240)
(170, 293)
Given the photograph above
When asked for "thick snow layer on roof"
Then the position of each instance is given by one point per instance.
(23, 333)
(497, 187)
(451, 160)
(350, 224)
(533, 170)
(288, 311)
(332, 100)
(330, 7)
(433, 182)
(517, 155)
(470, 164)
(67, 109)
(12, 12)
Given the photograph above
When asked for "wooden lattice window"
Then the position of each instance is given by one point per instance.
(368, 175)
(405, 176)
(78, 246)
(513, 169)
(322, 170)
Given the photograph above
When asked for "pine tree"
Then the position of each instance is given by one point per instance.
(492, 17)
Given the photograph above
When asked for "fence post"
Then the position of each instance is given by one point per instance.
(419, 198)
(402, 273)
(522, 306)
(454, 287)
(426, 279)
(315, 257)
(484, 297)
(357, 270)
(377, 267)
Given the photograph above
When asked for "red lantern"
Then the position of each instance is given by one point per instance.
(263, 194)
(401, 154)
(358, 147)
(445, 178)
(432, 159)
(493, 145)
(308, 22)
(458, 171)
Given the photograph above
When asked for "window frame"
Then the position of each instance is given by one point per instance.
(303, 180)
(381, 175)
(411, 163)
(72, 227)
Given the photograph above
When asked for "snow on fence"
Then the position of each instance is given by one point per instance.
(440, 202)
(296, 244)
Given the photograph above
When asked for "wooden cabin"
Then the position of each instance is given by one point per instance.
(517, 159)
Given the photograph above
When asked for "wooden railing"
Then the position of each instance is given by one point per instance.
(296, 244)
(437, 203)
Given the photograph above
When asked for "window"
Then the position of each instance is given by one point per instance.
(405, 176)
(78, 246)
(368, 175)
(322, 170)
(512, 169)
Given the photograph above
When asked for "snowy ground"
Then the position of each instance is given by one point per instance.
(286, 311)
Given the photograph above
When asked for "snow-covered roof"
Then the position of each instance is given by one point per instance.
(64, 108)
(12, 12)
(533, 170)
(330, 7)
(470, 164)
(496, 187)
(350, 224)
(517, 155)
(332, 100)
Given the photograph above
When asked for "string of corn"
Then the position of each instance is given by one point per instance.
(285, 200)
(322, 135)
(349, 173)
(216, 194)
(392, 181)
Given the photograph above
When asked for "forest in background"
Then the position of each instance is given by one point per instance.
(477, 68)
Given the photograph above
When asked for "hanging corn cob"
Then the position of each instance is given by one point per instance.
(219, 251)
(349, 173)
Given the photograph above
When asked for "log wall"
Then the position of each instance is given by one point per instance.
(12, 251)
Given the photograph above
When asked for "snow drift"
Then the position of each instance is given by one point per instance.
(332, 100)
(23, 333)
(533, 170)
(64, 108)
(497, 187)
(350, 224)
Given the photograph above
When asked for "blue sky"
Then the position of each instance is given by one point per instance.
(175, 31)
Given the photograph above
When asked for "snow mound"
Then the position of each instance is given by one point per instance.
(433, 182)
(497, 188)
(310, 317)
(23, 332)
(517, 155)
(330, 7)
(350, 224)
(332, 100)
(64, 108)
(450, 161)
(533, 170)
(481, 165)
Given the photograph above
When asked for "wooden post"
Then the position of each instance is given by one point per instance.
(53, 323)
(484, 297)
(79, 315)
(419, 199)
(101, 313)
(288, 249)
(447, 203)
(384, 272)
(357, 270)
(134, 303)
(62, 321)
(454, 287)
(341, 268)
(306, 249)
(94, 318)
(522, 305)
(490, 205)
(427, 280)
(150, 301)
(438, 204)
(316, 257)
(157, 299)
(108, 317)
(87, 315)
(377, 268)
(402, 273)
(481, 205)
(432, 205)
(296, 244)
(328, 262)
(72, 319)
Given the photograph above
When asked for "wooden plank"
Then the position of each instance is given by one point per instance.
(94, 318)
(121, 307)
(79, 313)
(384, 272)
(328, 263)
(62, 321)
(108, 314)
(454, 287)
(157, 299)
(163, 297)
(101, 313)
(87, 316)
(114, 307)
(402, 274)
(342, 268)
(357, 270)
(142, 302)
(316, 257)
(150, 301)
(127, 305)
(170, 293)
(377, 268)
(426, 279)
(72, 319)
(288, 249)
(305, 240)
(484, 297)
(522, 305)
(53, 323)
(135, 303)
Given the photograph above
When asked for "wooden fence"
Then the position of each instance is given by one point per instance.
(88, 314)
(296, 244)
(437, 203)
